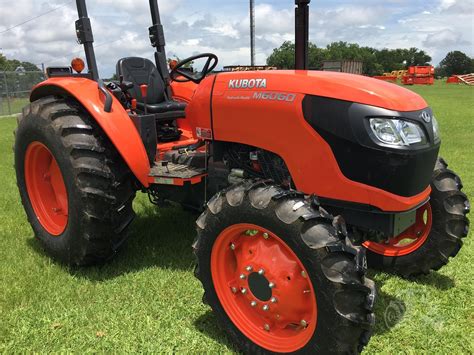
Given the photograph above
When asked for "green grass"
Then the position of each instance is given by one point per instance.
(15, 106)
(147, 299)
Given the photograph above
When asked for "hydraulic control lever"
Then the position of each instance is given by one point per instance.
(144, 91)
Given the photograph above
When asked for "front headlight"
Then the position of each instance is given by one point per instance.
(436, 129)
(397, 132)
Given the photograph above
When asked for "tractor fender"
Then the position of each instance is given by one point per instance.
(116, 124)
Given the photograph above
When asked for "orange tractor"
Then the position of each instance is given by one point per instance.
(303, 179)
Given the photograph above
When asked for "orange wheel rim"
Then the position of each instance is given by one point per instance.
(410, 240)
(264, 288)
(46, 188)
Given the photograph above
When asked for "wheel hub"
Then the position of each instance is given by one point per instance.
(264, 287)
(259, 286)
(46, 188)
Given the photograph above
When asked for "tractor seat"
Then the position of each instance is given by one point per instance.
(164, 107)
(142, 71)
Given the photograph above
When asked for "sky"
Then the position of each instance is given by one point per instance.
(222, 27)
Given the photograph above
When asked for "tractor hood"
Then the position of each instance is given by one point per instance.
(341, 86)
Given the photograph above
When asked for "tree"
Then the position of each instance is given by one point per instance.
(375, 61)
(456, 63)
(3, 61)
(284, 56)
(414, 56)
(12, 64)
(352, 51)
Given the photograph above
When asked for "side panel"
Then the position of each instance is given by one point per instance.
(184, 92)
(276, 123)
(198, 111)
(116, 124)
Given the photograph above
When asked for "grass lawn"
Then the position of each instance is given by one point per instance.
(15, 105)
(148, 300)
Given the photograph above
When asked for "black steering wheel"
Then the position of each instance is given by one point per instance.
(177, 73)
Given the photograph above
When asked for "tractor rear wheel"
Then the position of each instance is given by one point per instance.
(76, 190)
(279, 276)
(437, 235)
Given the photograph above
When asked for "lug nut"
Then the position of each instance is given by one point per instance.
(232, 246)
(242, 276)
(244, 291)
(266, 327)
(304, 323)
(266, 307)
(265, 235)
(303, 273)
(249, 268)
(253, 303)
(234, 289)
(273, 300)
(261, 272)
(271, 285)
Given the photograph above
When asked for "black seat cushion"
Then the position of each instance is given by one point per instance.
(142, 71)
(166, 106)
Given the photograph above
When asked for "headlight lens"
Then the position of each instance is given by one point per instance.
(436, 129)
(397, 132)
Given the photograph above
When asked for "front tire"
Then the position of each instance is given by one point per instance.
(76, 190)
(279, 276)
(435, 238)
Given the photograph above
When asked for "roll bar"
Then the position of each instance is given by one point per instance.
(301, 34)
(157, 39)
(86, 38)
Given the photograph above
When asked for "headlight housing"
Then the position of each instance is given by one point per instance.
(396, 132)
(436, 134)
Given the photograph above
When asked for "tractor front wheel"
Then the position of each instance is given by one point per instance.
(278, 275)
(76, 190)
(437, 234)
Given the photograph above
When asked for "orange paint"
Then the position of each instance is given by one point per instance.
(279, 127)
(46, 188)
(117, 125)
(295, 300)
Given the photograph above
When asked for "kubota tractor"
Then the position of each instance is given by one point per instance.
(299, 174)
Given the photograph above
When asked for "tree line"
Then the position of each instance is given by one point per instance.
(375, 61)
(17, 77)
(13, 64)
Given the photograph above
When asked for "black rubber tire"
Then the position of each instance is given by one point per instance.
(450, 225)
(98, 183)
(345, 297)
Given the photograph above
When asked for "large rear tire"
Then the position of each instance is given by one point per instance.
(278, 275)
(76, 190)
(435, 237)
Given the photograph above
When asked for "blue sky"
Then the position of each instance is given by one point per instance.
(120, 27)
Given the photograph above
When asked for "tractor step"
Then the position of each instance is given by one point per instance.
(167, 173)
